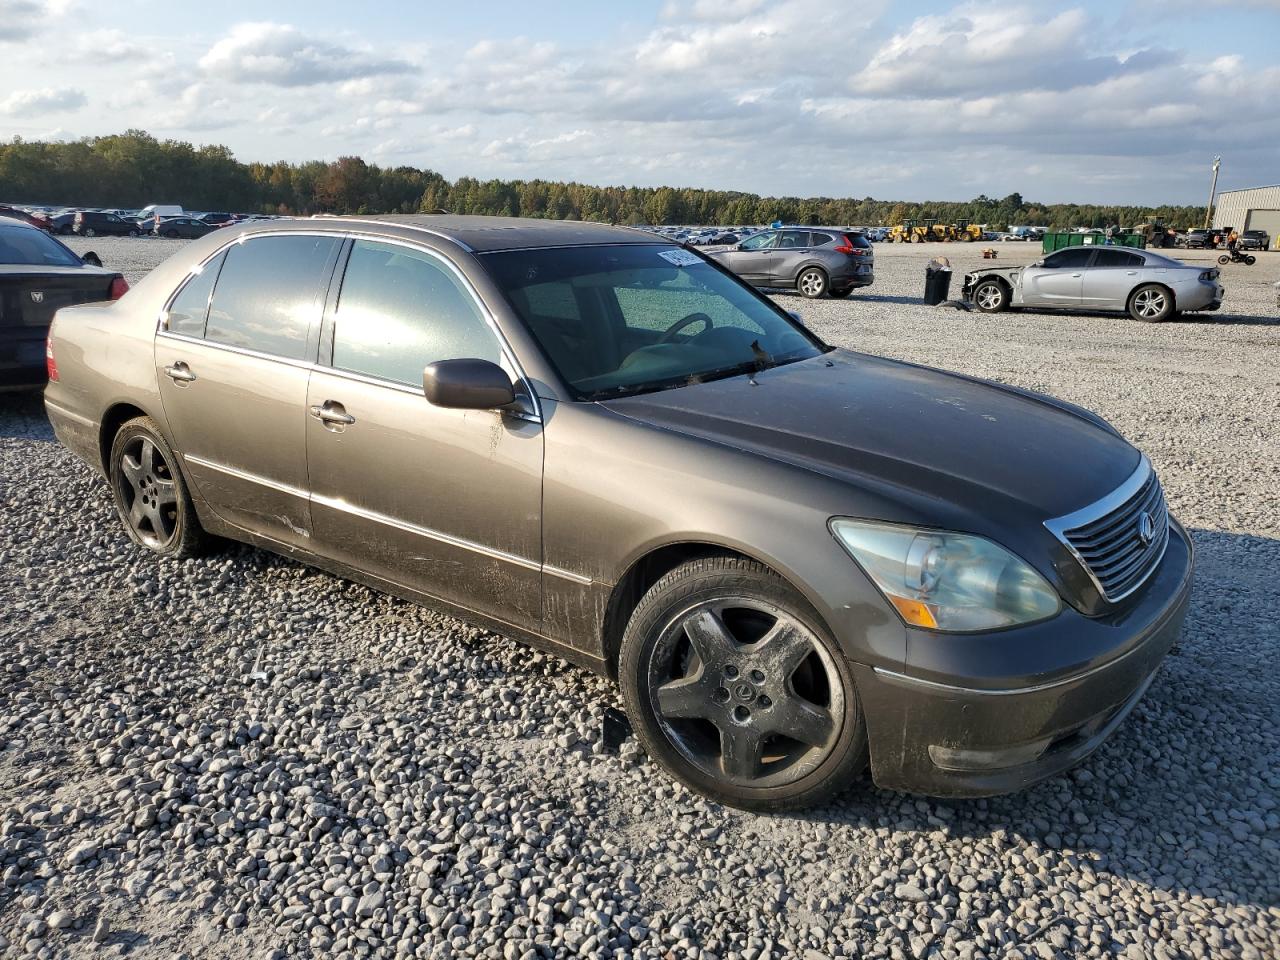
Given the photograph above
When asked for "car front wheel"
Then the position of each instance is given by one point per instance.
(734, 686)
(990, 296)
(812, 283)
(150, 495)
(1151, 303)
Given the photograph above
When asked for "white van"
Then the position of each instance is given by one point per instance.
(159, 210)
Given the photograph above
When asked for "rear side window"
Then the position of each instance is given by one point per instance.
(820, 239)
(267, 294)
(1117, 258)
(401, 309)
(190, 307)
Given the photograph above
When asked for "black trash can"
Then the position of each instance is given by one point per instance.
(937, 281)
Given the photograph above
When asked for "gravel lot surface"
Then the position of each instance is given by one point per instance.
(242, 757)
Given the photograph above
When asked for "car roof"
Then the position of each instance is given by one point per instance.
(487, 234)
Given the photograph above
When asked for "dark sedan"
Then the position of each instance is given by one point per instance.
(185, 228)
(795, 559)
(38, 274)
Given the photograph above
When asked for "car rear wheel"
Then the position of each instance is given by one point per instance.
(133, 233)
(1151, 303)
(150, 495)
(812, 283)
(991, 296)
(734, 686)
(90, 232)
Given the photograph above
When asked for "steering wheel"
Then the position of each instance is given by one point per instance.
(683, 322)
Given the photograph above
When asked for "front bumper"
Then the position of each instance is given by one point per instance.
(959, 731)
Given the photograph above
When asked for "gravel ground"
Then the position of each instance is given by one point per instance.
(242, 757)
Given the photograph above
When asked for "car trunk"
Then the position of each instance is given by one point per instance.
(29, 297)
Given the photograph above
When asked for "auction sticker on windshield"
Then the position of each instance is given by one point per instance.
(681, 258)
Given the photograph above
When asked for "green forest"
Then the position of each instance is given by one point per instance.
(134, 168)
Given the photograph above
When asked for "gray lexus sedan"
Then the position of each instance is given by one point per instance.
(796, 560)
(1147, 285)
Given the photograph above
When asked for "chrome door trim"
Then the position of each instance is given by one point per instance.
(241, 351)
(395, 223)
(440, 537)
(246, 475)
(566, 574)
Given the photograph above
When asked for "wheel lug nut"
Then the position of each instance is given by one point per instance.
(721, 695)
(762, 702)
(741, 714)
(730, 671)
(757, 676)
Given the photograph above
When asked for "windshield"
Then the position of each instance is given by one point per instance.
(619, 320)
(30, 247)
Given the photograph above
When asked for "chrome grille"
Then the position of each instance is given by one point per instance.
(1107, 537)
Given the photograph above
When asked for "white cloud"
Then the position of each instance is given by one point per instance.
(20, 19)
(282, 55)
(35, 103)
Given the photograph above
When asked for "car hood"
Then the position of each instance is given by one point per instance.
(949, 448)
(998, 271)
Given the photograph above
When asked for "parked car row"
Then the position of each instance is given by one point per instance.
(160, 220)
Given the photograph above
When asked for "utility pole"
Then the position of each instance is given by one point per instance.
(1213, 189)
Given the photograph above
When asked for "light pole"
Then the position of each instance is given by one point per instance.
(1213, 189)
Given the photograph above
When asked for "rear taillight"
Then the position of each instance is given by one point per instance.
(119, 287)
(50, 364)
(848, 248)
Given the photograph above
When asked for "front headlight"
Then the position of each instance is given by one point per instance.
(947, 581)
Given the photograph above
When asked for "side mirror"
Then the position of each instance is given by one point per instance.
(92, 259)
(467, 385)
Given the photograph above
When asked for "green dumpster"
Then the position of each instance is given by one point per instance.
(1058, 241)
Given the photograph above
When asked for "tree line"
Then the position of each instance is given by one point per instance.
(133, 169)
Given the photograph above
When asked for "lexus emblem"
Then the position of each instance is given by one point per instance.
(37, 296)
(1146, 528)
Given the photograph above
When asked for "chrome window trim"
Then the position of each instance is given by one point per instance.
(503, 344)
(461, 244)
(242, 351)
(1059, 526)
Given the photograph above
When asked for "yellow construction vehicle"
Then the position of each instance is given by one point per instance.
(968, 232)
(905, 232)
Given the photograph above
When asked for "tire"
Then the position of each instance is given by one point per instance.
(812, 283)
(1224, 259)
(133, 233)
(991, 296)
(756, 680)
(150, 494)
(1151, 303)
(1250, 260)
(90, 232)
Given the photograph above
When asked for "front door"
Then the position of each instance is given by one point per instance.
(1058, 281)
(447, 502)
(233, 359)
(752, 260)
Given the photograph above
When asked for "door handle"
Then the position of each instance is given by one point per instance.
(330, 412)
(179, 372)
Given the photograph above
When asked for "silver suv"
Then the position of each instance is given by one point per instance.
(817, 261)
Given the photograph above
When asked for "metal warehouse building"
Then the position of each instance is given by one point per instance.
(1257, 208)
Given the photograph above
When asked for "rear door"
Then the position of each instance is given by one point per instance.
(1058, 281)
(448, 502)
(232, 359)
(792, 250)
(1110, 278)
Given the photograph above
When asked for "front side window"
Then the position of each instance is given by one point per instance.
(1069, 259)
(644, 317)
(266, 296)
(761, 241)
(401, 309)
(190, 307)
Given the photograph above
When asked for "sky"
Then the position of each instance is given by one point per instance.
(1092, 101)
